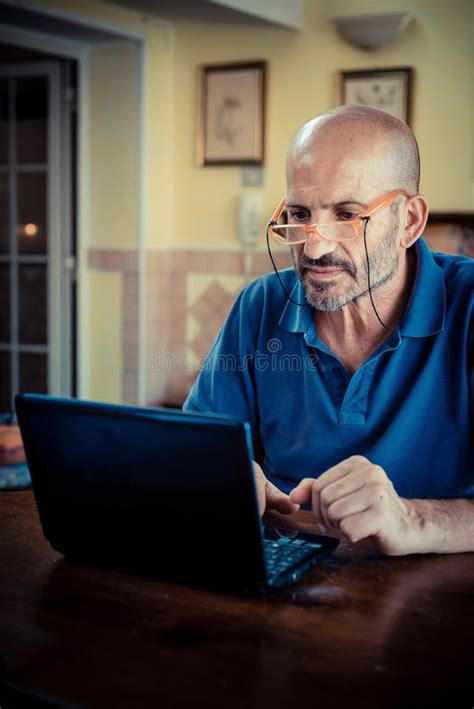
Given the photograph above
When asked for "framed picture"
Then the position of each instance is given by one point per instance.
(231, 125)
(386, 89)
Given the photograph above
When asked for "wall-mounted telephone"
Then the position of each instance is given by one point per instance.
(249, 218)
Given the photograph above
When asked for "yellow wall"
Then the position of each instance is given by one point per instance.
(114, 146)
(106, 343)
(302, 81)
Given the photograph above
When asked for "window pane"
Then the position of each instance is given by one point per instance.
(3, 121)
(33, 326)
(32, 206)
(33, 372)
(4, 302)
(5, 393)
(4, 215)
(31, 111)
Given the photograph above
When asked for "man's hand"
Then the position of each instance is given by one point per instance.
(269, 496)
(355, 500)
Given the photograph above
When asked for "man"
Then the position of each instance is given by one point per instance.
(356, 368)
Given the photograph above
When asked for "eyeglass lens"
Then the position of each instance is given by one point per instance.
(337, 231)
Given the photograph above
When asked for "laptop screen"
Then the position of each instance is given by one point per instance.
(154, 487)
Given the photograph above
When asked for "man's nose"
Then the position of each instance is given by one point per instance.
(315, 246)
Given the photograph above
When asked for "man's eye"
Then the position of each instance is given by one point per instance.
(346, 216)
(297, 215)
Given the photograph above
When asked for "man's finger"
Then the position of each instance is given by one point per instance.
(278, 500)
(324, 498)
(351, 504)
(342, 469)
(260, 481)
(302, 492)
(347, 485)
(360, 525)
(341, 479)
(321, 517)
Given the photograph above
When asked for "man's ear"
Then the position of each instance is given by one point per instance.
(416, 216)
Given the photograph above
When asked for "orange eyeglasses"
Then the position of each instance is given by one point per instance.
(290, 234)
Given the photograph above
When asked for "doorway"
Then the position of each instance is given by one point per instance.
(37, 225)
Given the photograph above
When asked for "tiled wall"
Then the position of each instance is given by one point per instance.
(188, 294)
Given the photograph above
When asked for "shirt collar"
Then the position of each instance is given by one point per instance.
(426, 309)
(424, 314)
(297, 318)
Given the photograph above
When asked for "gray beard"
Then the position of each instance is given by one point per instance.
(315, 293)
(383, 266)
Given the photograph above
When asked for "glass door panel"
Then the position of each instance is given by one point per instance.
(5, 382)
(33, 311)
(32, 211)
(4, 213)
(4, 111)
(33, 372)
(31, 115)
(5, 330)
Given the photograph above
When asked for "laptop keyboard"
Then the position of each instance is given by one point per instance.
(282, 554)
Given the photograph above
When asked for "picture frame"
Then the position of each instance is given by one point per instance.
(389, 90)
(231, 128)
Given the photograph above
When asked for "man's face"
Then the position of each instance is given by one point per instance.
(339, 278)
(335, 184)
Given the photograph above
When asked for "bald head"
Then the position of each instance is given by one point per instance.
(364, 132)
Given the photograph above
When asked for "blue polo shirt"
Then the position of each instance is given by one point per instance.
(409, 407)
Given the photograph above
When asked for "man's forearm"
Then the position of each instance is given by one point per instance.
(443, 526)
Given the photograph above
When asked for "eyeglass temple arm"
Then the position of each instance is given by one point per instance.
(387, 201)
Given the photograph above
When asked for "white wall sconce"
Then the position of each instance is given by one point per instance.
(372, 31)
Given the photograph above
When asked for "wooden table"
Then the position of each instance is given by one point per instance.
(361, 630)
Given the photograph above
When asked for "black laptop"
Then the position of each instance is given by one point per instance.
(157, 490)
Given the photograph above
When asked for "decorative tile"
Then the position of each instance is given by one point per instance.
(203, 309)
(188, 295)
(215, 293)
(193, 327)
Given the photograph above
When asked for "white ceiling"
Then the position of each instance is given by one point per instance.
(281, 13)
